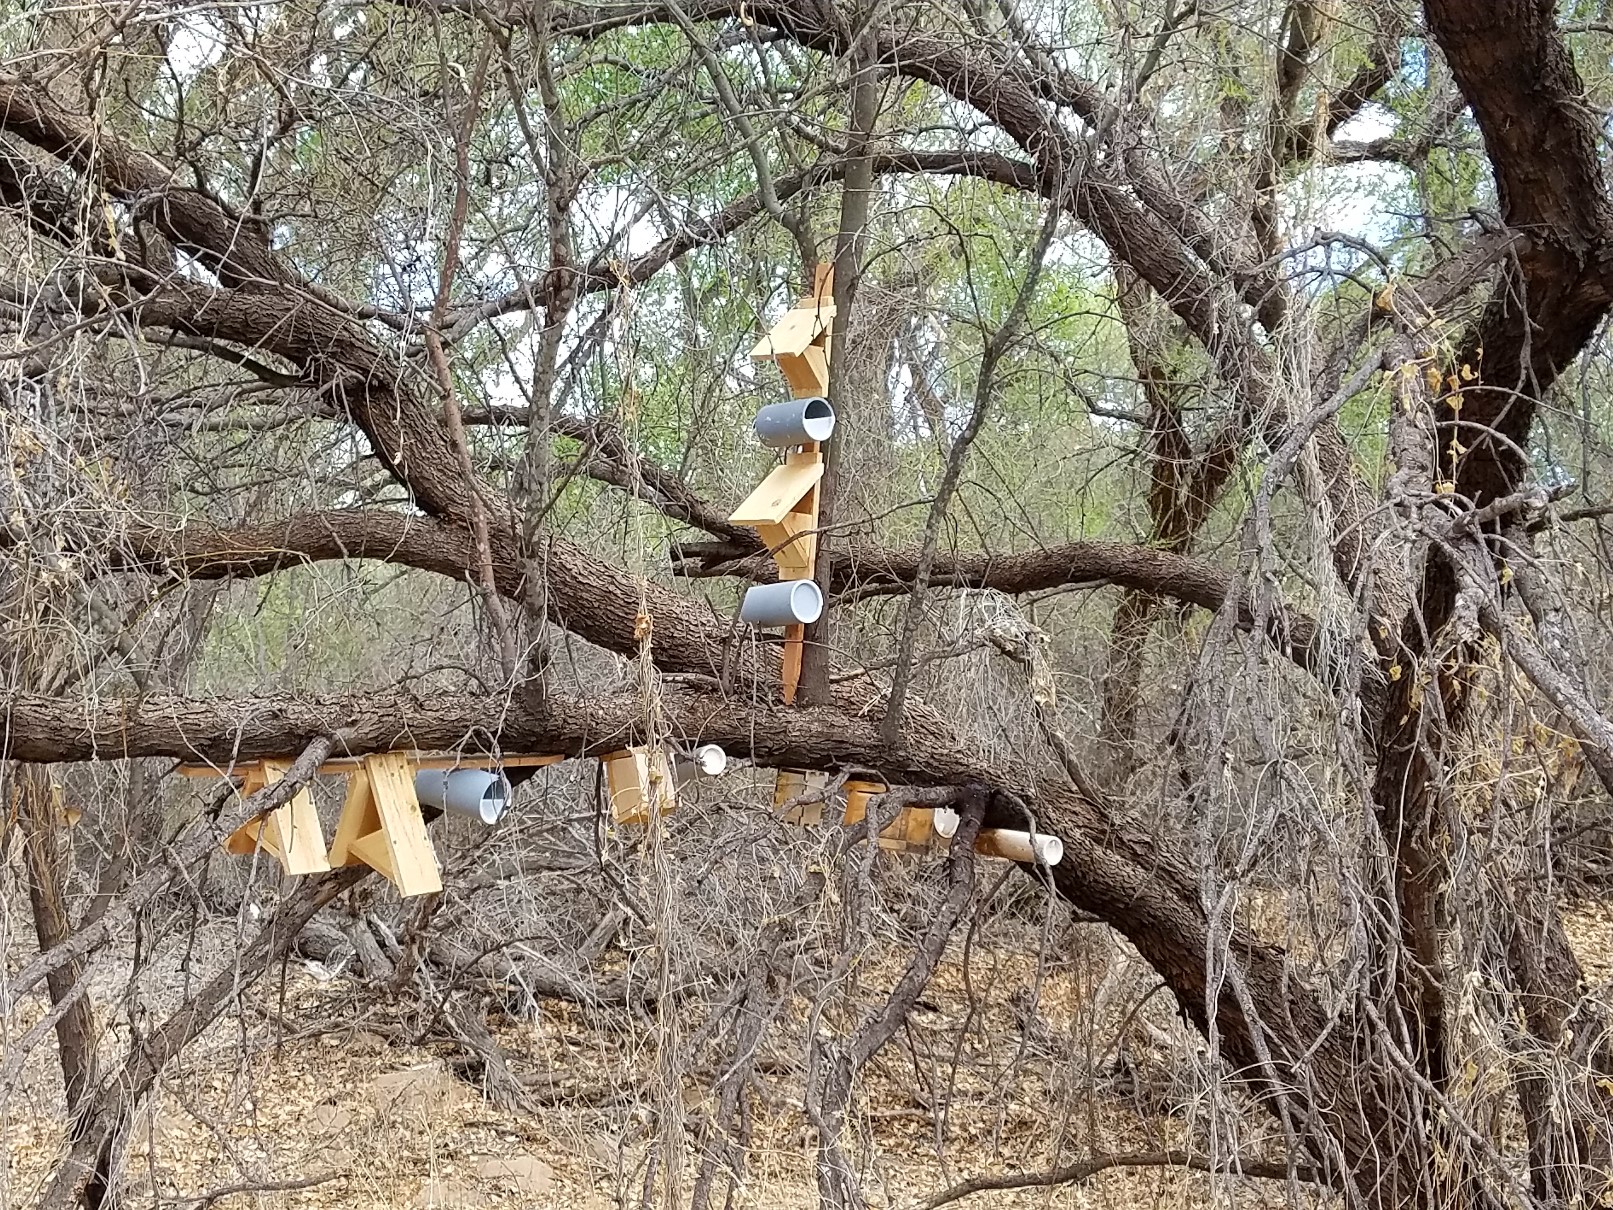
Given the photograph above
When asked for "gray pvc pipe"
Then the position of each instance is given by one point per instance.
(787, 603)
(475, 792)
(795, 422)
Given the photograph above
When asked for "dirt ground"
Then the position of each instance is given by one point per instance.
(315, 1097)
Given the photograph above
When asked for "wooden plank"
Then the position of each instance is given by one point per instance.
(627, 775)
(299, 841)
(422, 760)
(358, 819)
(823, 282)
(780, 492)
(486, 762)
(857, 795)
(790, 784)
(242, 769)
(794, 647)
(291, 832)
(795, 330)
(636, 778)
(413, 861)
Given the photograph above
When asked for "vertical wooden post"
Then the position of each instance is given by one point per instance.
(801, 344)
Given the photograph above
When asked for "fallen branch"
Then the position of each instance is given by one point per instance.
(1074, 1174)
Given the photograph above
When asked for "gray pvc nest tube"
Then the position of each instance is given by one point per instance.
(482, 795)
(795, 422)
(787, 603)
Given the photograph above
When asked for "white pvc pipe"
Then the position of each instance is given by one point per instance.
(707, 760)
(1038, 849)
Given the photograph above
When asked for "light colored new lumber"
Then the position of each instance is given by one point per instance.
(784, 488)
(637, 777)
(290, 832)
(795, 331)
(407, 846)
(422, 760)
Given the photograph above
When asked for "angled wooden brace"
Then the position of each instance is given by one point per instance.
(382, 827)
(291, 832)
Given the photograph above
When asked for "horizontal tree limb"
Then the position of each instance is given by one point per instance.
(1074, 1174)
(1111, 871)
(227, 731)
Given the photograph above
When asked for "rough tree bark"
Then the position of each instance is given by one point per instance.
(47, 857)
(1334, 1071)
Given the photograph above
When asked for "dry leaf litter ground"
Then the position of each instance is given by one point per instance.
(314, 1081)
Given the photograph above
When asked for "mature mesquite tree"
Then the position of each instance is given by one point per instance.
(465, 289)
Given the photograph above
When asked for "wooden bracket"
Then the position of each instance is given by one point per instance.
(381, 824)
(382, 827)
(638, 778)
(801, 342)
(790, 784)
(784, 509)
(913, 829)
(290, 832)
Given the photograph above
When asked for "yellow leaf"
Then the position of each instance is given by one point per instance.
(1506, 574)
(1394, 672)
(1444, 487)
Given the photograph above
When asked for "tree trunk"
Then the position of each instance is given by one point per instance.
(49, 863)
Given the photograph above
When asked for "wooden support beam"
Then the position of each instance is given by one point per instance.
(420, 760)
(382, 827)
(780, 493)
(639, 779)
(794, 649)
(290, 832)
(790, 784)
